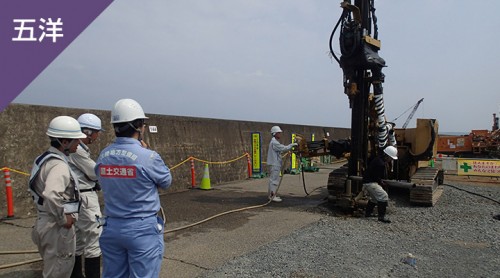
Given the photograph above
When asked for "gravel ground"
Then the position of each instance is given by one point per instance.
(458, 237)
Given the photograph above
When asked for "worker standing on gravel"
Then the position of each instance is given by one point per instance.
(274, 162)
(87, 227)
(54, 188)
(373, 181)
(130, 174)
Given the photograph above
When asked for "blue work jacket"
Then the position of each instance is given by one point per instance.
(130, 176)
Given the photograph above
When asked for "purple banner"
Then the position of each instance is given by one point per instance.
(33, 33)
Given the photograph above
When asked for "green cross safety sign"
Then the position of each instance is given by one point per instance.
(478, 167)
(465, 167)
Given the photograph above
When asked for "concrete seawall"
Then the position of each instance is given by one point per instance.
(23, 127)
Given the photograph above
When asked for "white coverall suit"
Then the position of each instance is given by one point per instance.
(87, 228)
(274, 162)
(56, 244)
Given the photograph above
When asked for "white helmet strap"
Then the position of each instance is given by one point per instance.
(127, 125)
(67, 147)
(138, 129)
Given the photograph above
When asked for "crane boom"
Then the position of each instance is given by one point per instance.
(412, 113)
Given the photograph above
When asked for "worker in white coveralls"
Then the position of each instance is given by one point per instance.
(373, 181)
(130, 175)
(87, 227)
(274, 162)
(54, 188)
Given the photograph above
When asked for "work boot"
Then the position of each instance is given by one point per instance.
(77, 268)
(93, 267)
(276, 199)
(382, 207)
(369, 209)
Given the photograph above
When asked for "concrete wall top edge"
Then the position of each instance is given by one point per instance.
(75, 112)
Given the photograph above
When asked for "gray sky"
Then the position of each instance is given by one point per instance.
(267, 61)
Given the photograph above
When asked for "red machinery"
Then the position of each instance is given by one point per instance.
(478, 143)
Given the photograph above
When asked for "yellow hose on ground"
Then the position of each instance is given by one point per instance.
(231, 211)
(20, 263)
(167, 231)
(18, 252)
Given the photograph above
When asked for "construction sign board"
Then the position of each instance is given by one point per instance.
(256, 154)
(478, 167)
(294, 168)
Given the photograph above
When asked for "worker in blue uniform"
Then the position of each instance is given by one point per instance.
(130, 175)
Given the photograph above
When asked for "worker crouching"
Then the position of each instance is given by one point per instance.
(373, 181)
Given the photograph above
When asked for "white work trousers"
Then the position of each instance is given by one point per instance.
(87, 230)
(274, 179)
(56, 246)
(375, 192)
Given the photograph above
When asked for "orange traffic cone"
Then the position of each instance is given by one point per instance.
(205, 181)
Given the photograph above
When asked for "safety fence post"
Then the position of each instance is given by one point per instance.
(249, 166)
(193, 180)
(8, 191)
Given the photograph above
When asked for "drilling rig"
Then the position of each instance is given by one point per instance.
(370, 131)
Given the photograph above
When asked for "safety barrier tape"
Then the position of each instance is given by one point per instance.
(209, 162)
(14, 170)
(171, 168)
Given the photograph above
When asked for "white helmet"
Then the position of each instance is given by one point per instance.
(65, 127)
(276, 129)
(392, 152)
(126, 110)
(90, 121)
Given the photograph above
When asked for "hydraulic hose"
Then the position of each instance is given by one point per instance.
(164, 219)
(473, 193)
(215, 216)
(303, 175)
(20, 263)
(229, 212)
(304, 181)
(385, 130)
(342, 16)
